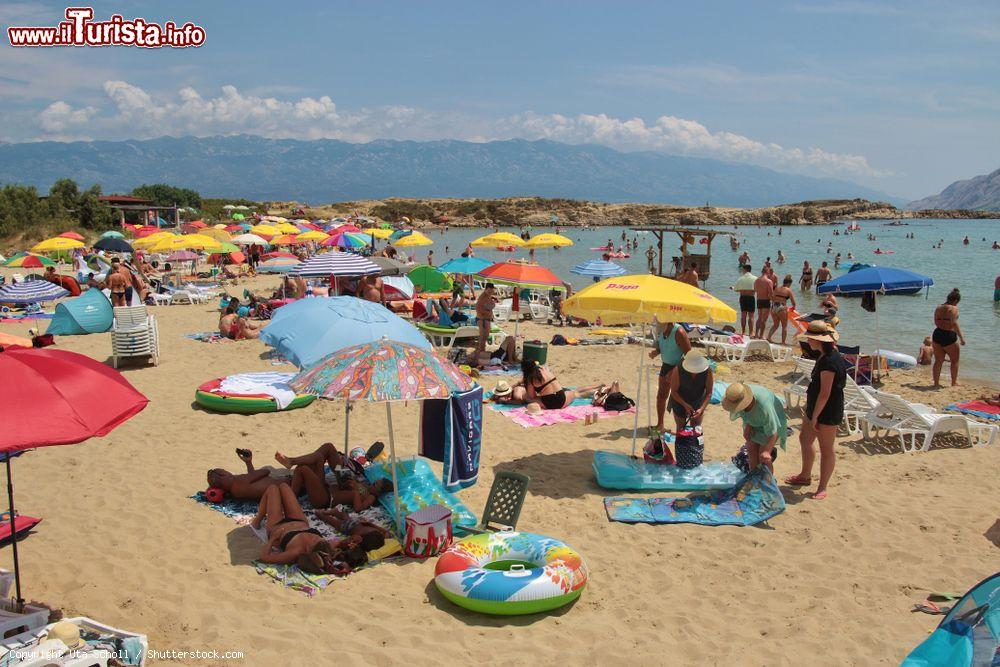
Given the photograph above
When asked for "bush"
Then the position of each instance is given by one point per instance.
(167, 195)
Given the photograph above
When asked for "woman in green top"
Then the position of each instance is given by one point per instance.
(671, 344)
(764, 421)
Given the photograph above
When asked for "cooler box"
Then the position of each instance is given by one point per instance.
(535, 350)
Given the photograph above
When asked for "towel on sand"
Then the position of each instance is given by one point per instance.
(574, 412)
(270, 383)
(980, 409)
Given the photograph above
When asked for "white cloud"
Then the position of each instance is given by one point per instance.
(135, 113)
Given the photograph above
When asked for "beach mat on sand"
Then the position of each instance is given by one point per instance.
(574, 412)
(617, 470)
(980, 409)
(243, 512)
(754, 499)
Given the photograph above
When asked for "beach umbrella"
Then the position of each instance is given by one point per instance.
(26, 260)
(389, 266)
(498, 239)
(377, 232)
(312, 235)
(465, 266)
(412, 240)
(427, 278)
(248, 239)
(217, 234)
(237, 229)
(287, 228)
(60, 398)
(112, 244)
(200, 242)
(71, 235)
(644, 299)
(278, 265)
(345, 240)
(397, 288)
(548, 241)
(228, 207)
(598, 268)
(265, 230)
(879, 280)
(112, 234)
(239, 216)
(31, 291)
(229, 256)
(56, 244)
(337, 264)
(279, 253)
(383, 371)
(182, 256)
(285, 239)
(242, 207)
(519, 274)
(197, 223)
(400, 233)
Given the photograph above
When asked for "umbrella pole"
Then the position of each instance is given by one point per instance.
(347, 425)
(638, 391)
(19, 602)
(392, 456)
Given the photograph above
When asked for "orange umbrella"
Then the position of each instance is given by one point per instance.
(71, 235)
(286, 239)
(521, 275)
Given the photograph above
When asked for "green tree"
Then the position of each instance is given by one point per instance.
(63, 196)
(91, 212)
(20, 209)
(167, 195)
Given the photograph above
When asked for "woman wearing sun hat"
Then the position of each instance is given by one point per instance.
(691, 389)
(824, 407)
(764, 421)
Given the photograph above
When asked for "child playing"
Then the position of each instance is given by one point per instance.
(926, 355)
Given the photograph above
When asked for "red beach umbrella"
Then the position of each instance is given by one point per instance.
(521, 275)
(71, 235)
(59, 398)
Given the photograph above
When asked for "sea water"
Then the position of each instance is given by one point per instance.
(904, 321)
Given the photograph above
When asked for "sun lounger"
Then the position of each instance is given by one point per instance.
(445, 337)
(895, 414)
(803, 371)
(739, 352)
(134, 334)
(858, 402)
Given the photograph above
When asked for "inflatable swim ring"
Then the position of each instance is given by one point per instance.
(209, 397)
(510, 573)
(897, 359)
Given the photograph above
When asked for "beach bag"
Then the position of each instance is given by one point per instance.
(428, 531)
(657, 451)
(618, 402)
(689, 445)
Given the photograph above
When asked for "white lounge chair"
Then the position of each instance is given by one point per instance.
(895, 414)
(503, 310)
(858, 402)
(739, 352)
(134, 334)
(445, 337)
(803, 369)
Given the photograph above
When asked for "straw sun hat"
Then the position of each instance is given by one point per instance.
(695, 362)
(68, 633)
(502, 389)
(821, 331)
(737, 398)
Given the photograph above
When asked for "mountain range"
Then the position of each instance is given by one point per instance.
(327, 170)
(981, 193)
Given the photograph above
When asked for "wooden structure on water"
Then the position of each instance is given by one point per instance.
(691, 238)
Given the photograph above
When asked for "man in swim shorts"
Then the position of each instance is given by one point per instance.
(117, 283)
(763, 288)
(745, 286)
(823, 274)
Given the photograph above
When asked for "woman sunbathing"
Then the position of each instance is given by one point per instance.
(309, 474)
(372, 535)
(507, 394)
(290, 540)
(542, 387)
(235, 327)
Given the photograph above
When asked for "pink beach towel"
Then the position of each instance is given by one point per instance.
(573, 413)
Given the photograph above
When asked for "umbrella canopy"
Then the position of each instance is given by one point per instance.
(341, 239)
(287, 228)
(57, 243)
(239, 216)
(643, 298)
(26, 260)
(182, 256)
(112, 234)
(31, 291)
(279, 265)
(248, 239)
(400, 233)
(197, 223)
(498, 239)
(307, 330)
(229, 207)
(201, 242)
(337, 264)
(377, 232)
(465, 265)
(876, 279)
(265, 230)
(429, 279)
(549, 241)
(389, 266)
(219, 234)
(237, 229)
(412, 240)
(521, 275)
(71, 235)
(348, 228)
(599, 268)
(151, 239)
(397, 288)
(279, 253)
(312, 235)
(285, 239)
(228, 256)
(113, 244)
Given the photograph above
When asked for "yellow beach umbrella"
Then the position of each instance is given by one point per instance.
(56, 244)
(377, 232)
(498, 239)
(287, 228)
(151, 240)
(200, 242)
(168, 243)
(265, 230)
(312, 235)
(217, 234)
(220, 225)
(414, 239)
(643, 299)
(549, 241)
(284, 239)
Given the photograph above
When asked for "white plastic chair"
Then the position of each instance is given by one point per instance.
(502, 311)
(803, 369)
(895, 414)
(134, 334)
(858, 402)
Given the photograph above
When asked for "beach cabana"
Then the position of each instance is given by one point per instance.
(91, 312)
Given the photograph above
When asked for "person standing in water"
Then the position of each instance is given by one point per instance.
(779, 308)
(806, 280)
(946, 338)
(763, 288)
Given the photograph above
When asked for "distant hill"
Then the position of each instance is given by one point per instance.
(328, 170)
(981, 193)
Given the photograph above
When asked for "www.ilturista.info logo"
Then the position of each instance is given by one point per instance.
(79, 29)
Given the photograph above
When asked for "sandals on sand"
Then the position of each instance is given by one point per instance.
(797, 480)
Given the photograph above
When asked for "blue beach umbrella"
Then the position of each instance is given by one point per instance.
(598, 268)
(31, 291)
(465, 265)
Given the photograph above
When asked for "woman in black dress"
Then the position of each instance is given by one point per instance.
(824, 407)
(690, 389)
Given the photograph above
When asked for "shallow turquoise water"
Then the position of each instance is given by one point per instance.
(903, 320)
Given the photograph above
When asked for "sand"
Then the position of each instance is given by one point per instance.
(827, 582)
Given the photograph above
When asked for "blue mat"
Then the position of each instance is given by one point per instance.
(615, 470)
(754, 499)
(419, 487)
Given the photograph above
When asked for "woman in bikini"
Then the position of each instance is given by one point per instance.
(806, 280)
(946, 337)
(542, 387)
(309, 475)
(290, 540)
(779, 308)
(235, 327)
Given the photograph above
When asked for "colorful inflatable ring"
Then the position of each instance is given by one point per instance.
(510, 573)
(209, 397)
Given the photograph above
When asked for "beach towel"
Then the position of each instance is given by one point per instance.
(270, 383)
(501, 369)
(576, 411)
(451, 431)
(753, 499)
(206, 336)
(243, 512)
(980, 409)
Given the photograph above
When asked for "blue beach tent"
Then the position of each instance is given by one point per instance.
(88, 313)
(969, 636)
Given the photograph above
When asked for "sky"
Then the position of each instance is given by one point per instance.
(903, 97)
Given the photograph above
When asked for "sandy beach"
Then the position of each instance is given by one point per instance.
(827, 582)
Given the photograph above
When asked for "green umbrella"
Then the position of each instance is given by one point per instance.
(429, 279)
(112, 234)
